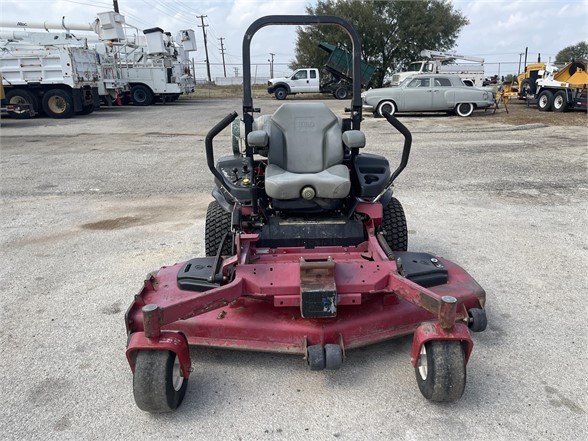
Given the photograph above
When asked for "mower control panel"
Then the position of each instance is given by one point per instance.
(237, 173)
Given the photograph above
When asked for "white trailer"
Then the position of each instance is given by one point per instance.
(60, 81)
(444, 62)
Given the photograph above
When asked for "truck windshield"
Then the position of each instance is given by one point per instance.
(414, 67)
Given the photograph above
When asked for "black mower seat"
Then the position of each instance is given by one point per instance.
(305, 154)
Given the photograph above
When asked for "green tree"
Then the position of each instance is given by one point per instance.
(392, 32)
(577, 52)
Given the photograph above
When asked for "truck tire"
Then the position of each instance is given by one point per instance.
(58, 103)
(340, 93)
(86, 110)
(24, 97)
(281, 93)
(527, 88)
(545, 101)
(141, 95)
(560, 101)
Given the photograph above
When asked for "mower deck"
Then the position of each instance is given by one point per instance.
(262, 308)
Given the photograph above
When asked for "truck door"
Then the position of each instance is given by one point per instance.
(418, 95)
(300, 81)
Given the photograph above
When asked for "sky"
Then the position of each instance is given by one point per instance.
(498, 31)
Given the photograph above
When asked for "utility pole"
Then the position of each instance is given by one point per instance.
(271, 65)
(115, 6)
(222, 50)
(201, 17)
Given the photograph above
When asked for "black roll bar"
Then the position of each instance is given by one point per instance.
(300, 20)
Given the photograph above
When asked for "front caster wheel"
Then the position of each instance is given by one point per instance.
(441, 370)
(477, 320)
(333, 357)
(158, 384)
(315, 357)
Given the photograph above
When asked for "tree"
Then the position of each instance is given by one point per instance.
(577, 52)
(393, 32)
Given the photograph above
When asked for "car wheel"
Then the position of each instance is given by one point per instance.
(464, 109)
(386, 106)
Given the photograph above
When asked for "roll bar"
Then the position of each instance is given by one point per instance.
(300, 20)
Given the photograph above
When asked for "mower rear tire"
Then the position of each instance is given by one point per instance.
(315, 357)
(441, 370)
(477, 320)
(218, 222)
(394, 226)
(158, 384)
(333, 357)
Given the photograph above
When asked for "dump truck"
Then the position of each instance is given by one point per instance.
(563, 89)
(59, 81)
(444, 62)
(16, 110)
(337, 80)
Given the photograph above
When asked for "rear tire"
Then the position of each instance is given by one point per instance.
(545, 101)
(23, 97)
(158, 385)
(441, 370)
(86, 110)
(394, 226)
(218, 222)
(58, 103)
(141, 95)
(559, 101)
(341, 93)
(464, 109)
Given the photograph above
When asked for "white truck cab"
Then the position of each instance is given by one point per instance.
(306, 80)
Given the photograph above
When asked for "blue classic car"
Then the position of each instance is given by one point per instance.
(428, 93)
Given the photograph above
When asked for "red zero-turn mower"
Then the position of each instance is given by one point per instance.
(306, 254)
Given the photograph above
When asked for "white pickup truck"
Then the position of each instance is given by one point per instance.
(306, 80)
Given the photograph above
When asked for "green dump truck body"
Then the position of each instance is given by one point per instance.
(340, 63)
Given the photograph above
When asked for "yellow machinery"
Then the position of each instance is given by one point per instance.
(563, 89)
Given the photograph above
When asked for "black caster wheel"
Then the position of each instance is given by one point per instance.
(333, 357)
(315, 357)
(158, 384)
(477, 320)
(441, 370)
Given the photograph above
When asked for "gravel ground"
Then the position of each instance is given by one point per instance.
(92, 204)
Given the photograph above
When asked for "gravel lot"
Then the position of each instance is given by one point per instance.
(92, 204)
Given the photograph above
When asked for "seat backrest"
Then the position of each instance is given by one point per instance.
(305, 138)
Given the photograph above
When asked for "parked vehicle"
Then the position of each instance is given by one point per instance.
(563, 89)
(444, 62)
(60, 81)
(132, 67)
(428, 93)
(14, 109)
(337, 81)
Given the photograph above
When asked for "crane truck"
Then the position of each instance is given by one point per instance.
(444, 62)
(138, 68)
